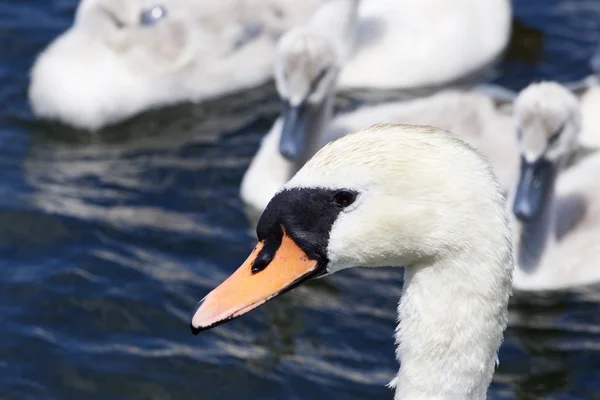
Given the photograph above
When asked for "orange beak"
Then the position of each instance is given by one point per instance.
(244, 290)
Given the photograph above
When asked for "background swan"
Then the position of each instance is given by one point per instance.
(385, 196)
(432, 41)
(307, 64)
(590, 104)
(306, 70)
(120, 58)
(556, 214)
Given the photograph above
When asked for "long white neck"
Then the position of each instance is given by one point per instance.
(452, 316)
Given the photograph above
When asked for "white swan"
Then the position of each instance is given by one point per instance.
(307, 64)
(385, 196)
(121, 58)
(586, 89)
(306, 68)
(555, 213)
(590, 104)
(431, 42)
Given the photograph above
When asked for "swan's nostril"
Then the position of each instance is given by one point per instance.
(523, 212)
(289, 150)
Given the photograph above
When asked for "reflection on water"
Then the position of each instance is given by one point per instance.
(557, 334)
(108, 240)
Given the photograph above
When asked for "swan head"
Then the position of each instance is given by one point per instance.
(383, 196)
(548, 120)
(306, 69)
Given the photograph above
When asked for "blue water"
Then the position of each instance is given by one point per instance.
(107, 241)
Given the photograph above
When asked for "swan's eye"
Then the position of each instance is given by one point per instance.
(343, 198)
(152, 15)
(552, 139)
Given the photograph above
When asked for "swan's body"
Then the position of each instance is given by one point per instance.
(590, 104)
(121, 58)
(431, 42)
(109, 65)
(385, 196)
(307, 66)
(556, 214)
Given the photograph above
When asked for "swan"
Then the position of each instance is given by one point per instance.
(307, 66)
(123, 57)
(555, 211)
(590, 103)
(385, 196)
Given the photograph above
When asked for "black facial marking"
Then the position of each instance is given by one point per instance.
(265, 255)
(307, 215)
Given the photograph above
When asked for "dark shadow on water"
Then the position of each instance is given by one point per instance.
(562, 347)
(526, 43)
